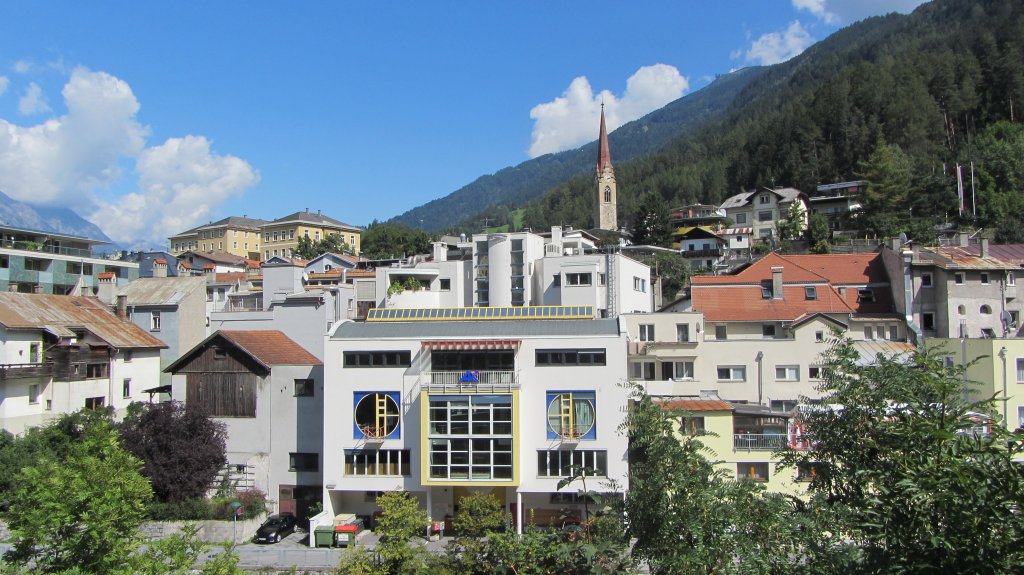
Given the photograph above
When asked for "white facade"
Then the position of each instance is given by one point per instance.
(422, 400)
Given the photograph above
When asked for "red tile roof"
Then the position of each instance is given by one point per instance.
(696, 404)
(226, 277)
(106, 275)
(271, 347)
(160, 261)
(836, 277)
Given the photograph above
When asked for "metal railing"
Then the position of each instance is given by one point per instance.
(48, 249)
(758, 441)
(708, 253)
(471, 381)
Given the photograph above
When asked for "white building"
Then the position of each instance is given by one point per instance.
(59, 354)
(442, 407)
(763, 209)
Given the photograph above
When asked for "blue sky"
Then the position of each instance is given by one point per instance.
(152, 117)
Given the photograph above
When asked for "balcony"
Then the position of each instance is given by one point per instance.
(471, 381)
(758, 441)
(25, 370)
(708, 253)
(49, 249)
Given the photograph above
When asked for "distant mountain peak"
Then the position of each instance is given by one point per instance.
(46, 219)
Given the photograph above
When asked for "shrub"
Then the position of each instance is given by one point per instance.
(254, 504)
(187, 510)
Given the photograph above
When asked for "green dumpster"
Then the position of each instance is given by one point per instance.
(324, 536)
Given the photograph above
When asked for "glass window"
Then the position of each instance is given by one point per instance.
(682, 332)
(984, 278)
(376, 415)
(682, 370)
(810, 292)
(741, 218)
(928, 321)
(378, 358)
(304, 388)
(1020, 370)
(647, 332)
(560, 463)
(894, 333)
(373, 462)
(807, 471)
(868, 332)
(126, 387)
(764, 216)
(577, 279)
(926, 279)
(814, 372)
(585, 357)
(866, 295)
(768, 330)
(692, 425)
(720, 332)
(641, 370)
(958, 277)
(33, 393)
(732, 373)
(303, 461)
(819, 336)
(446, 284)
(571, 415)
(757, 471)
(787, 373)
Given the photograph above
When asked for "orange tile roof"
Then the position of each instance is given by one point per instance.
(160, 261)
(271, 347)
(106, 275)
(696, 405)
(61, 313)
(231, 276)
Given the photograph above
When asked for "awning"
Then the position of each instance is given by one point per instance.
(473, 344)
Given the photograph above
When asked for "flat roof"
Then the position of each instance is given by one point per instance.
(462, 329)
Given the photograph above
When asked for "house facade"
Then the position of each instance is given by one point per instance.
(236, 235)
(762, 210)
(281, 236)
(442, 408)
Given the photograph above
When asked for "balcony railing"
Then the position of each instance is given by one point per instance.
(21, 370)
(758, 441)
(39, 247)
(471, 381)
(708, 253)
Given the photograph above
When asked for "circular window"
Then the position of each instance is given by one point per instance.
(376, 415)
(985, 309)
(961, 309)
(571, 416)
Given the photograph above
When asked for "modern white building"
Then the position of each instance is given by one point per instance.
(447, 401)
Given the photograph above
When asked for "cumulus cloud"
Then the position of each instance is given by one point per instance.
(842, 12)
(572, 119)
(33, 101)
(180, 183)
(67, 159)
(775, 47)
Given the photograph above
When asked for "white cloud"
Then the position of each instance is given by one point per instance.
(33, 101)
(4, 82)
(66, 159)
(842, 12)
(180, 183)
(775, 47)
(572, 119)
(22, 66)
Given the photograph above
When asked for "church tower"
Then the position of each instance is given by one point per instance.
(606, 204)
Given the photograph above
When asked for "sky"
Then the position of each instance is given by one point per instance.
(150, 118)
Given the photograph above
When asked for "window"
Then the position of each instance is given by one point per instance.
(961, 309)
(782, 404)
(958, 277)
(470, 437)
(559, 463)
(445, 284)
(928, 321)
(126, 387)
(33, 391)
(571, 415)
(810, 293)
(154, 321)
(33, 352)
(602, 279)
(692, 425)
(766, 290)
(556, 357)
(787, 373)
(96, 371)
(647, 332)
(220, 353)
(378, 358)
(984, 278)
(376, 415)
(682, 370)
(764, 216)
(303, 388)
(988, 333)
(752, 471)
(741, 218)
(639, 284)
(303, 461)
(865, 295)
(868, 332)
(1020, 416)
(926, 279)
(1010, 279)
(768, 330)
(128, 355)
(985, 309)
(819, 336)
(720, 332)
(732, 373)
(682, 332)
(378, 462)
(275, 236)
(291, 234)
(894, 333)
(641, 370)
(807, 471)
(95, 402)
(36, 265)
(556, 281)
(814, 372)
(577, 279)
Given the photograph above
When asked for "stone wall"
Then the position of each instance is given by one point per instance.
(209, 531)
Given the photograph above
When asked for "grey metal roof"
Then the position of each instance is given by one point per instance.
(488, 328)
(162, 291)
(307, 217)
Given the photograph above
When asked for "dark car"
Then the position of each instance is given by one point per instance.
(275, 528)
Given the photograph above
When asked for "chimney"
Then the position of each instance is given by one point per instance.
(318, 212)
(984, 247)
(106, 284)
(37, 289)
(965, 239)
(159, 268)
(122, 307)
(307, 210)
(777, 282)
(12, 287)
(556, 237)
(440, 252)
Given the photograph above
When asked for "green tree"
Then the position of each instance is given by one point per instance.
(384, 240)
(819, 234)
(311, 249)
(888, 173)
(651, 223)
(81, 510)
(911, 476)
(401, 520)
(792, 226)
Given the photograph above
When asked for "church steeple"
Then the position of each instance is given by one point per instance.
(606, 200)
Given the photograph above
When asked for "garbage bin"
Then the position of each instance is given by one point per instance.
(345, 535)
(323, 536)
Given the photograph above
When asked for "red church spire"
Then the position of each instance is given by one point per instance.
(604, 155)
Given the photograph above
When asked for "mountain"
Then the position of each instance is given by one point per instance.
(530, 179)
(897, 100)
(57, 220)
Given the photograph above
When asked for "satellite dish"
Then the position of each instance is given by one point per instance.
(305, 277)
(903, 237)
(1006, 319)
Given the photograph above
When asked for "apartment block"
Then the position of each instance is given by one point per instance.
(236, 235)
(281, 236)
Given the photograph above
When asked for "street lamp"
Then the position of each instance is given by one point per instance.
(758, 358)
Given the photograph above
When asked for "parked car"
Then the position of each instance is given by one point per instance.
(275, 528)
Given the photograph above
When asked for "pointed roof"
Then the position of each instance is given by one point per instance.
(266, 347)
(604, 155)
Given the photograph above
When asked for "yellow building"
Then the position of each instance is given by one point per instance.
(235, 235)
(743, 439)
(281, 236)
(995, 367)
